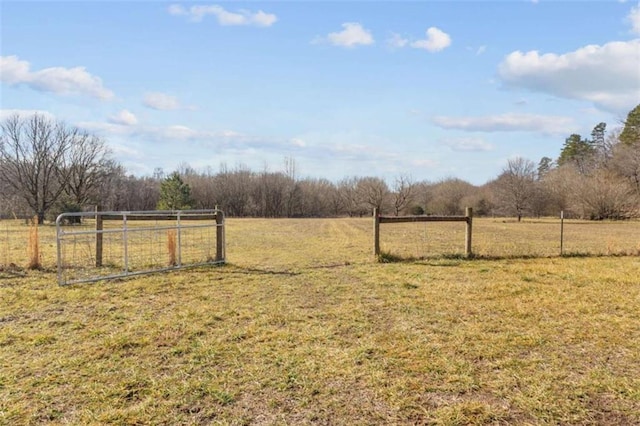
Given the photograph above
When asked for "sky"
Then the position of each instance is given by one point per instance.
(423, 89)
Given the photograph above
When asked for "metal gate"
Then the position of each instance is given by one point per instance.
(94, 246)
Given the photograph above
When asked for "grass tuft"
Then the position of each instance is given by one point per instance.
(33, 245)
(171, 246)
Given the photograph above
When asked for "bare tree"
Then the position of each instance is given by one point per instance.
(602, 195)
(35, 156)
(372, 192)
(335, 200)
(516, 186)
(11, 205)
(402, 193)
(558, 184)
(89, 165)
(112, 187)
(349, 194)
(626, 163)
(446, 196)
(316, 197)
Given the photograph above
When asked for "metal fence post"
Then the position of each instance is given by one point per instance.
(179, 239)
(124, 242)
(99, 227)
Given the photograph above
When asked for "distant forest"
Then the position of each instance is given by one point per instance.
(47, 168)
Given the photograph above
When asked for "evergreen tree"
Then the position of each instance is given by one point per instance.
(631, 133)
(577, 151)
(599, 141)
(174, 193)
(544, 166)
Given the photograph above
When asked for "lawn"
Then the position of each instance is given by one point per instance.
(302, 327)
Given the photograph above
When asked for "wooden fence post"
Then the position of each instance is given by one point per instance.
(561, 232)
(467, 246)
(376, 233)
(219, 235)
(99, 228)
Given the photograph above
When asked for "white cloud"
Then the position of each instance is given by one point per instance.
(468, 144)
(106, 129)
(509, 122)
(481, 50)
(124, 118)
(179, 132)
(424, 163)
(224, 17)
(59, 80)
(158, 133)
(163, 102)
(436, 40)
(607, 75)
(297, 142)
(353, 34)
(634, 19)
(177, 10)
(6, 113)
(397, 41)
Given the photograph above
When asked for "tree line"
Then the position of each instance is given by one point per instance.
(48, 167)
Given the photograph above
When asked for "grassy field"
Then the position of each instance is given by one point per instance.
(301, 327)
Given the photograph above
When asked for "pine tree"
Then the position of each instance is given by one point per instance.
(631, 133)
(174, 193)
(577, 151)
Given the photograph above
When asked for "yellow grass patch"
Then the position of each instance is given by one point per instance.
(302, 327)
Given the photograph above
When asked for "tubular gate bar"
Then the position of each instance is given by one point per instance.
(377, 220)
(187, 236)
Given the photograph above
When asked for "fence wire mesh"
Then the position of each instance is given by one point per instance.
(508, 238)
(115, 244)
(289, 243)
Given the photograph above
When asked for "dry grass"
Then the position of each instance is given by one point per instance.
(171, 246)
(303, 328)
(34, 246)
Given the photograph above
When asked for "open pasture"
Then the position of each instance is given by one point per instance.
(302, 327)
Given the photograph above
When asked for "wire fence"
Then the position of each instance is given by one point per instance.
(79, 250)
(501, 238)
(291, 243)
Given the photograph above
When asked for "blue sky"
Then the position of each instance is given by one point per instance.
(428, 89)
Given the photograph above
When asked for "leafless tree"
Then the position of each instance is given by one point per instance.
(446, 196)
(235, 191)
(516, 186)
(35, 153)
(373, 192)
(316, 197)
(602, 195)
(204, 191)
(349, 194)
(559, 185)
(402, 193)
(89, 165)
(626, 163)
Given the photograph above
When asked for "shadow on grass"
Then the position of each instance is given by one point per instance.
(386, 257)
(236, 269)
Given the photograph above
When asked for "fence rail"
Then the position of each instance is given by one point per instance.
(467, 218)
